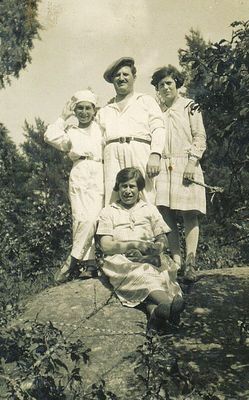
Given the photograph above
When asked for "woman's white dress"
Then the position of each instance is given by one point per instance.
(133, 281)
(86, 187)
(185, 136)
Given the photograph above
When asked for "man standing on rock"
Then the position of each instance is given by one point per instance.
(133, 130)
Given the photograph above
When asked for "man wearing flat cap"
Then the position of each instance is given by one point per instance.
(133, 130)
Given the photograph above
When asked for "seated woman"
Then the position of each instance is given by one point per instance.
(132, 238)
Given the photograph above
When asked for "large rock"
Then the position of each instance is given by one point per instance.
(86, 309)
(211, 346)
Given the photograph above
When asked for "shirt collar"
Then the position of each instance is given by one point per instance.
(117, 205)
(112, 103)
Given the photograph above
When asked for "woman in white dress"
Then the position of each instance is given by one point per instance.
(132, 238)
(83, 143)
(180, 165)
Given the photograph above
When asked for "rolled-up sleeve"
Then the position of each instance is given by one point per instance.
(198, 132)
(159, 226)
(57, 136)
(105, 222)
(156, 125)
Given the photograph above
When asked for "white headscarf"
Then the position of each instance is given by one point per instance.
(83, 95)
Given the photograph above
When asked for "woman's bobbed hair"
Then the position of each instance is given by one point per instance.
(129, 173)
(169, 70)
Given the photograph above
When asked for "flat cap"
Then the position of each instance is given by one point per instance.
(108, 74)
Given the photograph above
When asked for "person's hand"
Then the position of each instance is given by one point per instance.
(67, 111)
(189, 172)
(150, 248)
(153, 165)
(134, 255)
(143, 247)
(157, 248)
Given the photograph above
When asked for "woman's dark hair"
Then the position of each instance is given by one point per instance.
(129, 173)
(161, 73)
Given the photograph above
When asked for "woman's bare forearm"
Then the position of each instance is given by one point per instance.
(110, 246)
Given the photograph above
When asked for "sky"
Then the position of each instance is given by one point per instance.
(80, 38)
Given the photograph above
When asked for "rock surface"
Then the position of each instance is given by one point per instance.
(112, 333)
(212, 342)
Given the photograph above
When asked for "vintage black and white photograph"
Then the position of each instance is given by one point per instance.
(124, 219)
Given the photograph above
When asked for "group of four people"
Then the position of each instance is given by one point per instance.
(135, 153)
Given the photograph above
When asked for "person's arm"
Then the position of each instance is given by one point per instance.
(198, 132)
(158, 133)
(198, 140)
(110, 246)
(161, 244)
(56, 134)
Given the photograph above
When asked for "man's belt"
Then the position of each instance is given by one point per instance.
(128, 139)
(91, 158)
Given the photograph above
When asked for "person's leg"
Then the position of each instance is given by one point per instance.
(191, 226)
(155, 298)
(158, 309)
(169, 217)
(162, 309)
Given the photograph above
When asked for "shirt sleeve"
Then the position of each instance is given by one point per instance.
(156, 125)
(100, 120)
(197, 130)
(57, 136)
(159, 226)
(105, 222)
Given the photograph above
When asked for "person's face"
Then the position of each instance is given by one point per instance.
(84, 112)
(128, 193)
(167, 88)
(123, 80)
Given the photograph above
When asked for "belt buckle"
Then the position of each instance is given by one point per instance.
(122, 139)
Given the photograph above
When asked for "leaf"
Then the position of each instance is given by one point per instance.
(236, 23)
(223, 41)
(244, 112)
(221, 68)
(60, 363)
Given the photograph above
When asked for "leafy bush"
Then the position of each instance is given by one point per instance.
(217, 77)
(35, 214)
(42, 364)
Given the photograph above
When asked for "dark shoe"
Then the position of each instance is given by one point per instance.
(158, 318)
(66, 274)
(73, 274)
(86, 274)
(176, 308)
(88, 270)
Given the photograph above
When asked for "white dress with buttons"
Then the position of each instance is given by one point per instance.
(185, 137)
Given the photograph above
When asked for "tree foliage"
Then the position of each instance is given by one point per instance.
(219, 81)
(35, 213)
(19, 26)
(217, 77)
